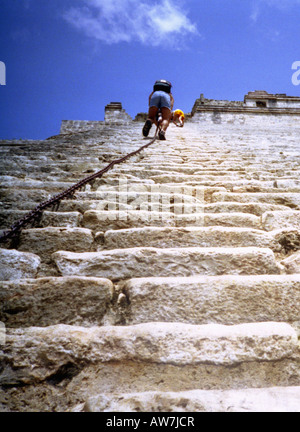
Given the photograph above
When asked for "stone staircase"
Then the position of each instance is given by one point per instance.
(171, 284)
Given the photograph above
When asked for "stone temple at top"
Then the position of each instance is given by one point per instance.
(257, 106)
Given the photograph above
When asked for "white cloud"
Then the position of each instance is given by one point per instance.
(151, 23)
(255, 12)
(282, 5)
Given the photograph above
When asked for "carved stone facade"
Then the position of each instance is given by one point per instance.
(257, 108)
(263, 99)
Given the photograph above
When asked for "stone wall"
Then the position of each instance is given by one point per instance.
(275, 104)
(257, 108)
(261, 98)
(114, 115)
(222, 117)
(258, 103)
(70, 126)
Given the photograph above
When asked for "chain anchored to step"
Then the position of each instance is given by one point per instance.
(53, 202)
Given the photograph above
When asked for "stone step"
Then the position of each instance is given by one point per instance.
(57, 159)
(273, 399)
(189, 168)
(253, 208)
(232, 164)
(214, 357)
(44, 241)
(172, 237)
(281, 219)
(124, 185)
(125, 191)
(222, 152)
(114, 219)
(291, 200)
(146, 262)
(290, 184)
(243, 185)
(184, 178)
(251, 187)
(49, 218)
(81, 206)
(160, 203)
(187, 155)
(25, 168)
(40, 176)
(144, 172)
(292, 263)
(246, 185)
(113, 181)
(140, 194)
(49, 301)
(18, 265)
(268, 177)
(185, 193)
(30, 183)
(18, 195)
(130, 197)
(70, 206)
(219, 219)
(227, 299)
(154, 195)
(58, 182)
(196, 179)
(63, 176)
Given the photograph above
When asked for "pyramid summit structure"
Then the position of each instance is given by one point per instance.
(171, 283)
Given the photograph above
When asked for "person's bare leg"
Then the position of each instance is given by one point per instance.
(166, 115)
(150, 120)
(152, 113)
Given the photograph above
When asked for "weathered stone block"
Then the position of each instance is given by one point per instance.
(213, 299)
(218, 219)
(17, 265)
(292, 263)
(45, 241)
(114, 219)
(291, 200)
(48, 301)
(144, 262)
(274, 399)
(35, 354)
(281, 219)
(254, 208)
(54, 219)
(172, 237)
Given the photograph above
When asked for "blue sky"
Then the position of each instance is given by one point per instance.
(67, 59)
